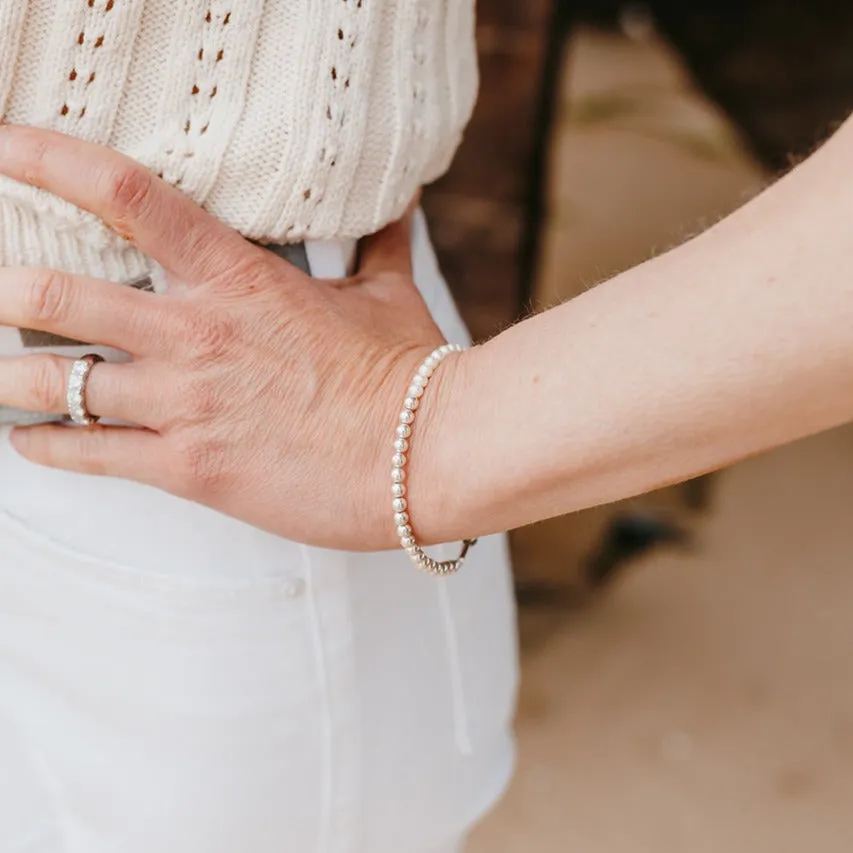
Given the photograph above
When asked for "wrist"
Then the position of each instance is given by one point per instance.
(439, 458)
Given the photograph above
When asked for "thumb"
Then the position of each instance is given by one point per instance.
(389, 250)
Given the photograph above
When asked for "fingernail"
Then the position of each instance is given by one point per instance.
(18, 437)
(6, 137)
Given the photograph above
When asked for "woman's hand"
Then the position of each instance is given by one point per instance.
(259, 391)
(274, 398)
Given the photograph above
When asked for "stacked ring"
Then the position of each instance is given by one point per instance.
(78, 379)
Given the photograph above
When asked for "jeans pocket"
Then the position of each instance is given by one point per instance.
(29, 819)
(159, 703)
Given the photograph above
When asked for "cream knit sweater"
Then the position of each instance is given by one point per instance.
(287, 119)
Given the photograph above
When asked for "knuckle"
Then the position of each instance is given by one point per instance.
(47, 296)
(250, 269)
(47, 384)
(202, 398)
(210, 335)
(91, 450)
(382, 283)
(38, 149)
(128, 192)
(199, 471)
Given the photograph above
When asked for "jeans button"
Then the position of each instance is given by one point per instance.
(294, 588)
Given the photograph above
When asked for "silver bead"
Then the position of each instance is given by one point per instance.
(404, 531)
(404, 431)
(411, 403)
(432, 361)
(425, 371)
(401, 445)
(413, 551)
(398, 475)
(419, 380)
(400, 504)
(407, 541)
(406, 417)
(401, 518)
(398, 490)
(398, 460)
(415, 391)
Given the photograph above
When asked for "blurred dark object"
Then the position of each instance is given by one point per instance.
(781, 69)
(629, 537)
(485, 213)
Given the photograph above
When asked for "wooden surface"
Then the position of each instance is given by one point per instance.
(483, 212)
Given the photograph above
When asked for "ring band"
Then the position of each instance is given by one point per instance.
(78, 379)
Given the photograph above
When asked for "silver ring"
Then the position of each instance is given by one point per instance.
(78, 379)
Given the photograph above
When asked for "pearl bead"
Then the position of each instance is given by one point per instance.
(402, 521)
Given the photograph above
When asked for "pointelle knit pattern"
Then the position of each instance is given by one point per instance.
(287, 119)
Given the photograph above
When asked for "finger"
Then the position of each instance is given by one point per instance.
(389, 250)
(86, 310)
(39, 383)
(130, 454)
(162, 221)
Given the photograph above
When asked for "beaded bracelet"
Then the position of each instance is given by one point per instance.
(420, 381)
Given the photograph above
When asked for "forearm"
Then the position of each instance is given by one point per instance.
(735, 342)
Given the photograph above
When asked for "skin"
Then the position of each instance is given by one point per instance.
(273, 397)
(225, 364)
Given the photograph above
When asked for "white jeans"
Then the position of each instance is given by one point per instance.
(175, 681)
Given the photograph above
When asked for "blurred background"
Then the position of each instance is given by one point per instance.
(687, 684)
